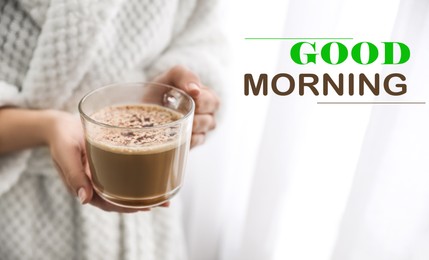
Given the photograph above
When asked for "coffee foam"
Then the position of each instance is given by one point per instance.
(143, 138)
(136, 116)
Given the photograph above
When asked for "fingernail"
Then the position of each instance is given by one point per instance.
(82, 195)
(193, 86)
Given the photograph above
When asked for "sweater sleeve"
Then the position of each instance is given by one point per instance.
(199, 46)
(13, 164)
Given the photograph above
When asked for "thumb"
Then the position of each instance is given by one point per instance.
(182, 78)
(80, 183)
(72, 165)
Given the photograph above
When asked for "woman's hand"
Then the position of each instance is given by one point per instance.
(206, 100)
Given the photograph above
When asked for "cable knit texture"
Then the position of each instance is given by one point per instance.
(51, 53)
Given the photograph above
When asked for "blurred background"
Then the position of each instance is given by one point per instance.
(287, 178)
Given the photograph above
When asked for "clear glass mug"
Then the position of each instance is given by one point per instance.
(137, 166)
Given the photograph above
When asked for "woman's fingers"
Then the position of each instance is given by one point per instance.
(207, 102)
(66, 143)
(165, 204)
(72, 168)
(203, 123)
(197, 139)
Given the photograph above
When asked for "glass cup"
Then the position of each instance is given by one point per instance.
(137, 160)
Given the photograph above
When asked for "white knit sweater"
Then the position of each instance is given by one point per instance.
(51, 53)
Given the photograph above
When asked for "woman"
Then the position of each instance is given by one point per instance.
(52, 52)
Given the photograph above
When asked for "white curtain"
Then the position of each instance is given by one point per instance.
(286, 178)
(387, 214)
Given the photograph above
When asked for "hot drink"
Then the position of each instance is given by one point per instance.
(137, 138)
(139, 161)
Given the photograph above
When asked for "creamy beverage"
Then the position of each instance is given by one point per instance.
(135, 163)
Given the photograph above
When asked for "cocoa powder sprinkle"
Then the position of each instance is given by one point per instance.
(139, 117)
